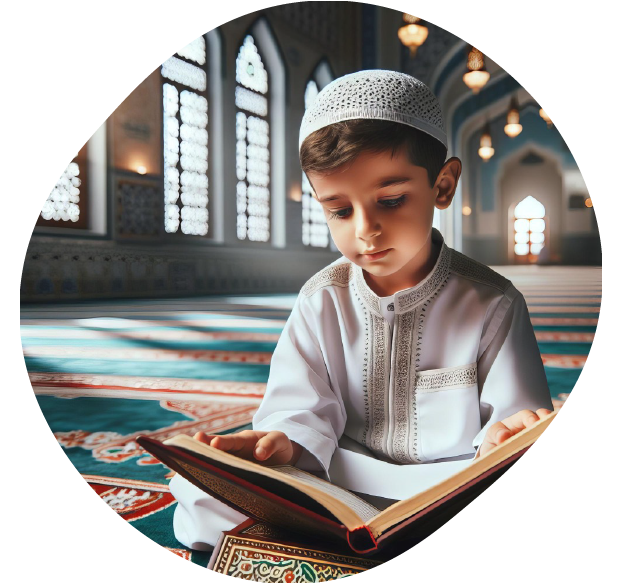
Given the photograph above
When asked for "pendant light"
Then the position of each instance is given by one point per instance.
(412, 34)
(512, 127)
(486, 151)
(476, 76)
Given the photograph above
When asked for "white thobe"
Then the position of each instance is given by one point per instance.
(412, 378)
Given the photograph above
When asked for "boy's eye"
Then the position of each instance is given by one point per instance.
(341, 213)
(392, 202)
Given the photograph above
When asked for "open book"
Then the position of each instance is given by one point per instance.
(294, 499)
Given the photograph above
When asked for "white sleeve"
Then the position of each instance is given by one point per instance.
(510, 371)
(299, 400)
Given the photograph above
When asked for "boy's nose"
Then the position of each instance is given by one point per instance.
(367, 226)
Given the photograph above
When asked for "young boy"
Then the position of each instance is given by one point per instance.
(402, 349)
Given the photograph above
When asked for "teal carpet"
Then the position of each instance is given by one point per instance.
(104, 373)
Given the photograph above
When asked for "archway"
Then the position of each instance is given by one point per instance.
(532, 172)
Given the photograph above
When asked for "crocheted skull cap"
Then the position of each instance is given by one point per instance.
(376, 94)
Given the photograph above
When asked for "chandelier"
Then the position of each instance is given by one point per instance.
(477, 76)
(513, 127)
(412, 35)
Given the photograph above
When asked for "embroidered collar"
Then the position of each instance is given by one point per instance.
(408, 299)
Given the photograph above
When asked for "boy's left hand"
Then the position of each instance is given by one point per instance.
(511, 425)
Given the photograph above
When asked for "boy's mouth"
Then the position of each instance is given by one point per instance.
(375, 256)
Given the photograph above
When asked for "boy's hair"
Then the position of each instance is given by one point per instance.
(337, 144)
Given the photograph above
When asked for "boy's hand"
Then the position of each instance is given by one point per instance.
(268, 447)
(503, 430)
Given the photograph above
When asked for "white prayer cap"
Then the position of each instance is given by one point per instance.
(376, 94)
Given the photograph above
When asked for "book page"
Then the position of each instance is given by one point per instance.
(364, 509)
(368, 475)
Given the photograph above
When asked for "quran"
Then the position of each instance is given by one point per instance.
(290, 498)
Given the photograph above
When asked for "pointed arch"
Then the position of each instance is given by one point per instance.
(185, 140)
(315, 231)
(260, 137)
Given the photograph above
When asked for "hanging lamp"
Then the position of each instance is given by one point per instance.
(486, 151)
(476, 76)
(513, 127)
(412, 34)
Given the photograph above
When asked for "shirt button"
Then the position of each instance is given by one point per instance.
(391, 307)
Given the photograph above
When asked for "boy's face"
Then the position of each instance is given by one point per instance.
(379, 210)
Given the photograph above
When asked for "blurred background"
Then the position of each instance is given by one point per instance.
(207, 197)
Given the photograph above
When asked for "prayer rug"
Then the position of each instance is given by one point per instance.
(106, 372)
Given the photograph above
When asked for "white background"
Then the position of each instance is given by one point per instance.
(68, 65)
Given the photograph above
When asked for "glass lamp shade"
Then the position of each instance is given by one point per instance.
(475, 80)
(536, 226)
(521, 249)
(521, 237)
(513, 126)
(413, 36)
(513, 129)
(521, 226)
(486, 151)
(410, 19)
(536, 248)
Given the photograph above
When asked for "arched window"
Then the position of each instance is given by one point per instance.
(66, 204)
(252, 144)
(185, 132)
(314, 228)
(529, 227)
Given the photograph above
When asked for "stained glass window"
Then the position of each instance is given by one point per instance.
(185, 133)
(252, 144)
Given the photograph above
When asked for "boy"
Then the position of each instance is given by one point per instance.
(402, 349)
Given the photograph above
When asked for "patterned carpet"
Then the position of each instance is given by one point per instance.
(105, 372)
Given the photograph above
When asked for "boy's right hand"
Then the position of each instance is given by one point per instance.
(267, 447)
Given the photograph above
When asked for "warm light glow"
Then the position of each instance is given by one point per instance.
(513, 129)
(529, 208)
(141, 170)
(536, 226)
(546, 118)
(521, 237)
(536, 238)
(521, 226)
(477, 76)
(466, 211)
(536, 248)
(486, 151)
(295, 194)
(475, 80)
(521, 249)
(588, 203)
(413, 36)
(513, 126)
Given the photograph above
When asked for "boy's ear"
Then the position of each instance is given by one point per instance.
(447, 182)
